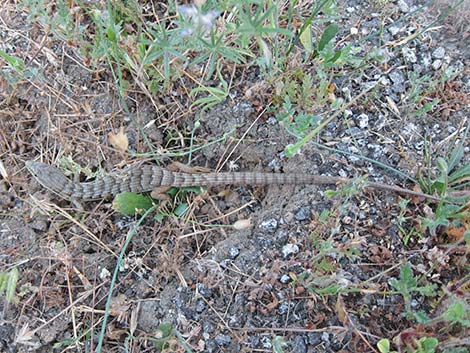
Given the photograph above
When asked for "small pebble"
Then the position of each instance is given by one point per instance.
(223, 340)
(436, 64)
(438, 53)
(269, 225)
(302, 214)
(403, 6)
(266, 342)
(299, 345)
(289, 249)
(200, 306)
(285, 279)
(363, 121)
(314, 338)
(204, 291)
(393, 30)
(233, 252)
(409, 54)
(283, 308)
(397, 77)
(208, 327)
(426, 60)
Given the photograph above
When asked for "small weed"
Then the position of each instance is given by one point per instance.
(458, 313)
(407, 284)
(16, 69)
(165, 338)
(215, 95)
(452, 177)
(421, 97)
(423, 345)
(402, 220)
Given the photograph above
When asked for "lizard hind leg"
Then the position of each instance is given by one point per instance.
(158, 193)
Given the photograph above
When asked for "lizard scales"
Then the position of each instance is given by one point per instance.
(146, 178)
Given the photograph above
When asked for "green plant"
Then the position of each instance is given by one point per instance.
(17, 69)
(259, 26)
(164, 336)
(426, 345)
(451, 178)
(421, 97)
(214, 95)
(384, 346)
(457, 313)
(423, 345)
(402, 220)
(407, 284)
(8, 283)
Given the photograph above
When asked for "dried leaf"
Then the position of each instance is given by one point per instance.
(417, 199)
(379, 254)
(341, 310)
(119, 307)
(24, 335)
(134, 318)
(391, 104)
(271, 306)
(455, 233)
(119, 140)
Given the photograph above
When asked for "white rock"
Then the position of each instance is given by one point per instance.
(289, 249)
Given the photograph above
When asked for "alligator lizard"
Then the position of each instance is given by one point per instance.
(147, 178)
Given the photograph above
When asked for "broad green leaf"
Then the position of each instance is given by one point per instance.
(327, 36)
(181, 209)
(11, 285)
(131, 203)
(335, 57)
(460, 174)
(164, 333)
(427, 344)
(306, 40)
(16, 63)
(442, 165)
(383, 345)
(3, 281)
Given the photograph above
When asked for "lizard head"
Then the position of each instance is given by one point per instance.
(48, 176)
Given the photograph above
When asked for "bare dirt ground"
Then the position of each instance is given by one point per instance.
(310, 271)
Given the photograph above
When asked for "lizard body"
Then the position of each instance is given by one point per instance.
(147, 178)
